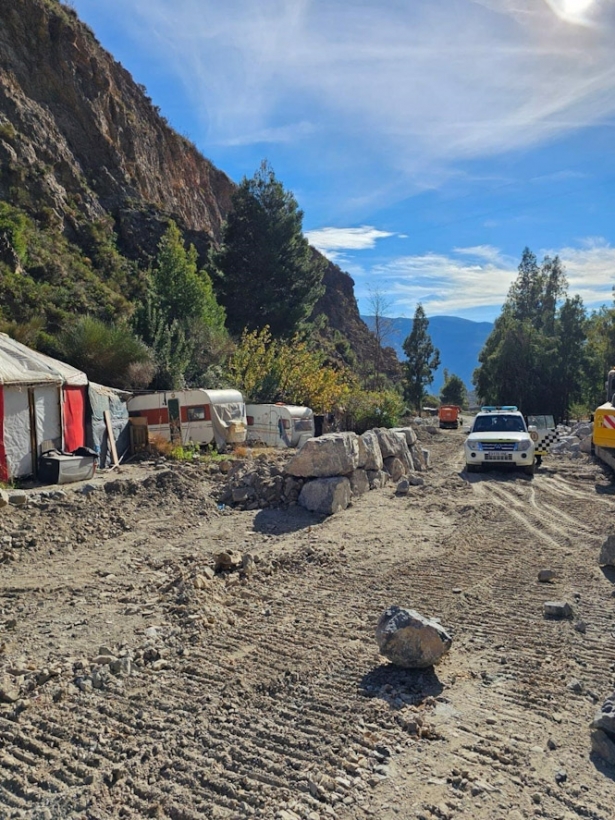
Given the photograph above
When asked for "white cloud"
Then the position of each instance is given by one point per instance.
(332, 241)
(480, 277)
(411, 88)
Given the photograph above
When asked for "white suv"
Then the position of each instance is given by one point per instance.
(499, 435)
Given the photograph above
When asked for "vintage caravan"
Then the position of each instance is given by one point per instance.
(279, 425)
(193, 416)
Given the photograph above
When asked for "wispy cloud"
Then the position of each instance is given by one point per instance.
(334, 243)
(480, 277)
(412, 87)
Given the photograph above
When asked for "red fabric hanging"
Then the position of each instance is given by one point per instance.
(74, 417)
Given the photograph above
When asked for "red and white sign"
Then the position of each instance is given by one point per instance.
(608, 421)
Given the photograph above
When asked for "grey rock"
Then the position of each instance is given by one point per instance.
(362, 453)
(416, 480)
(426, 458)
(546, 575)
(408, 433)
(240, 494)
(4, 498)
(88, 489)
(9, 691)
(335, 454)
(326, 495)
(557, 609)
(394, 467)
(411, 640)
(575, 686)
(586, 445)
(418, 459)
(607, 552)
(605, 717)
(388, 441)
(373, 454)
(603, 745)
(359, 482)
(228, 561)
(18, 498)
(403, 487)
(377, 479)
(581, 626)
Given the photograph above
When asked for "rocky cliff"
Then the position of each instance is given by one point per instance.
(82, 143)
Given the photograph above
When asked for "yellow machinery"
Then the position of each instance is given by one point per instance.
(603, 436)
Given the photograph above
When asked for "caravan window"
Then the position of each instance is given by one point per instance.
(197, 413)
(250, 420)
(303, 425)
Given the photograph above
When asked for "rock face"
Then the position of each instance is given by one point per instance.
(334, 454)
(607, 552)
(326, 495)
(82, 144)
(411, 640)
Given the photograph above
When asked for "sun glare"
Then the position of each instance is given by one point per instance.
(573, 11)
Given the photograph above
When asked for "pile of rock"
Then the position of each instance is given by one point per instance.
(574, 440)
(603, 731)
(328, 471)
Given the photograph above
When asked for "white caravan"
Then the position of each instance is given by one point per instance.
(279, 425)
(199, 416)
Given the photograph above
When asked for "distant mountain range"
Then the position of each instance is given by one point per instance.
(458, 340)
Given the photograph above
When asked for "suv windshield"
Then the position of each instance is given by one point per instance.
(498, 424)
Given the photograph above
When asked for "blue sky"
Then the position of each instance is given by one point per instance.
(427, 142)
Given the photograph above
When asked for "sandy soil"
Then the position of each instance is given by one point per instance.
(262, 694)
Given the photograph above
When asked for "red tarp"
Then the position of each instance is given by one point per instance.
(74, 417)
(4, 470)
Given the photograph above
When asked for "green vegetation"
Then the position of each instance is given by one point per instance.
(537, 355)
(422, 359)
(268, 274)
(454, 390)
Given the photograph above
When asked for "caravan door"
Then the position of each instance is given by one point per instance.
(175, 427)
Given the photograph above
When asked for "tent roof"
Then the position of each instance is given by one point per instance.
(22, 365)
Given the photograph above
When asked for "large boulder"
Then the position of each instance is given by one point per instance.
(326, 495)
(607, 552)
(408, 433)
(333, 454)
(411, 640)
(418, 459)
(394, 467)
(388, 440)
(394, 445)
(4, 498)
(603, 731)
(373, 453)
(359, 482)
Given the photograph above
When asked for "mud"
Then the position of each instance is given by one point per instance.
(136, 682)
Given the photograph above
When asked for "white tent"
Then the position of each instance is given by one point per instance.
(41, 399)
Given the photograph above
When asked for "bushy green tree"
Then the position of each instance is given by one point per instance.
(268, 274)
(180, 319)
(109, 354)
(534, 356)
(454, 390)
(422, 358)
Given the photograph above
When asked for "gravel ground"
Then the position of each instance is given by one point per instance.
(135, 681)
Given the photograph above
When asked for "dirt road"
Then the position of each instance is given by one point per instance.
(264, 695)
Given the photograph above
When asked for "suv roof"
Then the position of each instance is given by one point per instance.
(504, 408)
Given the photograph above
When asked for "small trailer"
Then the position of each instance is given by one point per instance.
(280, 425)
(196, 416)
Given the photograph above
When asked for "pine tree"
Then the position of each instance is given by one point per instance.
(268, 274)
(422, 359)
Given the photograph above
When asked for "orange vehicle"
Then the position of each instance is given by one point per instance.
(448, 416)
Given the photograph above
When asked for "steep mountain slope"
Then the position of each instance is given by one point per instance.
(458, 340)
(84, 150)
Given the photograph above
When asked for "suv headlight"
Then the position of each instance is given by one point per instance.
(473, 445)
(524, 445)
